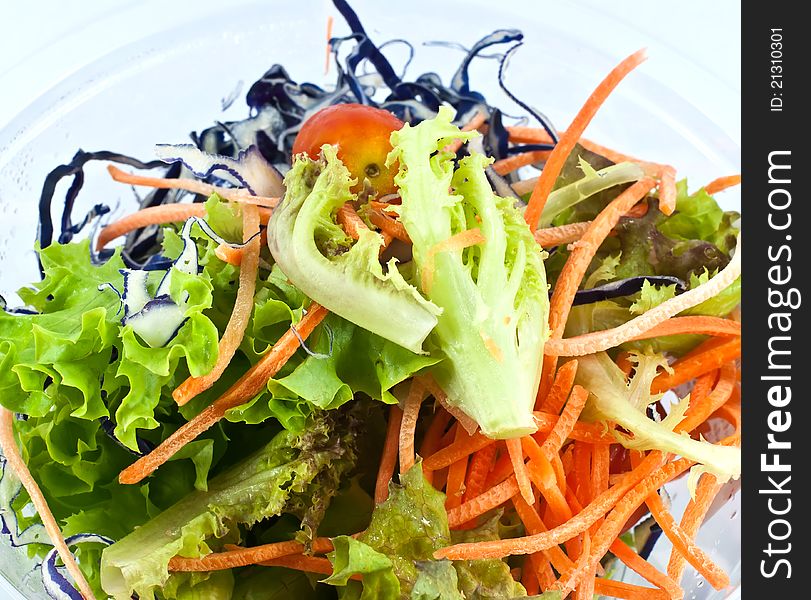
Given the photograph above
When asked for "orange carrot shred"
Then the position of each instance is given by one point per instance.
(690, 367)
(389, 225)
(153, 215)
(697, 324)
(566, 422)
(667, 190)
(477, 121)
(241, 557)
(457, 473)
(228, 254)
(516, 453)
(240, 314)
(191, 185)
(308, 564)
(701, 407)
(250, 384)
(493, 497)
(14, 460)
(568, 140)
(479, 468)
(330, 23)
(722, 183)
(628, 591)
(556, 398)
(431, 441)
(349, 219)
(516, 161)
(457, 451)
(408, 425)
(642, 567)
(389, 458)
(563, 234)
(457, 242)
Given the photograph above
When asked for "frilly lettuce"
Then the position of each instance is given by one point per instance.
(319, 259)
(271, 481)
(493, 295)
(612, 399)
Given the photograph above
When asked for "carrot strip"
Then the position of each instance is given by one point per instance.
(667, 190)
(582, 469)
(389, 458)
(690, 367)
(600, 466)
(519, 466)
(699, 409)
(722, 183)
(543, 476)
(389, 225)
(241, 557)
(455, 487)
(563, 234)
(457, 451)
(579, 260)
(495, 496)
(574, 526)
(706, 491)
(534, 525)
(348, 218)
(477, 121)
(227, 254)
(308, 564)
(612, 526)
(627, 591)
(597, 341)
(240, 315)
(529, 579)
(440, 396)
(567, 141)
(516, 161)
(330, 22)
(479, 468)
(642, 567)
(154, 215)
(250, 384)
(566, 423)
(697, 324)
(430, 442)
(14, 460)
(686, 546)
(408, 425)
(191, 185)
(556, 398)
(585, 432)
(501, 470)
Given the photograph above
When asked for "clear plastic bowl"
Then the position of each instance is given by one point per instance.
(159, 87)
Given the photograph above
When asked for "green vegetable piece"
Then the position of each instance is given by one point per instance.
(350, 281)
(494, 296)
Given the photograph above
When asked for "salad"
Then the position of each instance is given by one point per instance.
(375, 341)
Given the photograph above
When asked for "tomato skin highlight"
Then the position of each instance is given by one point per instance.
(361, 134)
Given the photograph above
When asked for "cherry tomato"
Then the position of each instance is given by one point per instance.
(361, 134)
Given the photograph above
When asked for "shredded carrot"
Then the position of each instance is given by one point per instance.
(556, 398)
(563, 234)
(541, 467)
(667, 190)
(627, 591)
(457, 451)
(524, 186)
(241, 557)
(582, 469)
(597, 341)
(191, 185)
(15, 461)
(479, 468)
(685, 544)
(534, 525)
(612, 526)
(455, 243)
(154, 215)
(623, 361)
(516, 453)
(240, 315)
(501, 470)
(567, 141)
(578, 262)
(250, 384)
(642, 567)
(228, 254)
(457, 472)
(690, 367)
(464, 420)
(586, 432)
(493, 497)
(566, 423)
(389, 225)
(431, 441)
(706, 491)
(529, 579)
(696, 325)
(308, 564)
(408, 425)
(702, 405)
(330, 23)
(600, 467)
(349, 219)
(574, 526)
(722, 183)
(516, 161)
(389, 458)
(477, 121)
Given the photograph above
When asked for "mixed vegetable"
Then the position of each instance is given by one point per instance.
(352, 347)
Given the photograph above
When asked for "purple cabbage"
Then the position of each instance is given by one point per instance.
(56, 585)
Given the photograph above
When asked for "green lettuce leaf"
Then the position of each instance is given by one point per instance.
(267, 483)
